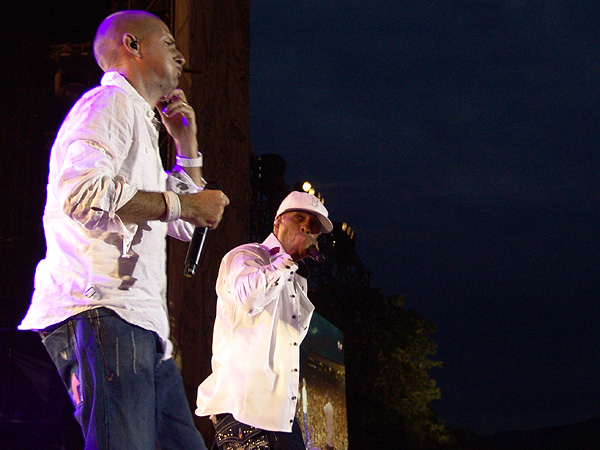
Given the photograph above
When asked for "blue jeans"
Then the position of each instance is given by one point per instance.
(125, 396)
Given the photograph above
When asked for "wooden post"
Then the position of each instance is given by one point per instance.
(214, 37)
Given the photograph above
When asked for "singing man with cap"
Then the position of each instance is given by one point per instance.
(263, 314)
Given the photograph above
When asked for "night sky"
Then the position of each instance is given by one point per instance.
(459, 139)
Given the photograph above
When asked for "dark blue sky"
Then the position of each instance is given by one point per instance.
(460, 140)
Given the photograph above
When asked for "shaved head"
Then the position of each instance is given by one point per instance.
(110, 33)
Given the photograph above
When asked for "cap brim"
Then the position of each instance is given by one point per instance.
(326, 225)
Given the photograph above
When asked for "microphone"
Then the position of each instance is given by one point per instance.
(192, 257)
(194, 252)
(315, 254)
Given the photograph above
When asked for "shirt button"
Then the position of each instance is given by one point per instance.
(295, 344)
(294, 397)
(294, 316)
(294, 370)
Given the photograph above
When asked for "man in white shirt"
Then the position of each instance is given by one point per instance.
(304, 397)
(100, 293)
(263, 314)
(328, 412)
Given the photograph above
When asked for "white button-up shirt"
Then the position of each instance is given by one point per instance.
(106, 149)
(263, 315)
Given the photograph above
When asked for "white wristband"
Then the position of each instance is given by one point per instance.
(189, 162)
(173, 206)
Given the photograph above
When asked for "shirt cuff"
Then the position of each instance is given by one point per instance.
(180, 182)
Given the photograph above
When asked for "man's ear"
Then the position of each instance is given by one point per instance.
(131, 44)
(276, 223)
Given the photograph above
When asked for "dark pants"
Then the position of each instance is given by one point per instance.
(277, 440)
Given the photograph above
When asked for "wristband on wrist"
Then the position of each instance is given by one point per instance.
(173, 206)
(189, 162)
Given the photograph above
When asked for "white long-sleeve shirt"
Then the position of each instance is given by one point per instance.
(105, 151)
(263, 315)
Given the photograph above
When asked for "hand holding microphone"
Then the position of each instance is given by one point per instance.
(194, 252)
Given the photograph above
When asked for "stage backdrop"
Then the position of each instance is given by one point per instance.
(323, 371)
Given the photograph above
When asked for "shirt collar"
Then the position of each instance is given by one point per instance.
(112, 78)
(273, 246)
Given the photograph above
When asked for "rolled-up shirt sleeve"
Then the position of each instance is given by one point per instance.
(89, 186)
(90, 190)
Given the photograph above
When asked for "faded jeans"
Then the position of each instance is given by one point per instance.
(125, 396)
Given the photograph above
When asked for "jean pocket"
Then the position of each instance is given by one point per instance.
(61, 345)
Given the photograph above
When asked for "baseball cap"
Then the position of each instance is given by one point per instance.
(302, 201)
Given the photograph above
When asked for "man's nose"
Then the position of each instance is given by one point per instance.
(179, 58)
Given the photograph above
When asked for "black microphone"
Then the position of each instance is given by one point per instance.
(194, 252)
(315, 254)
(192, 257)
